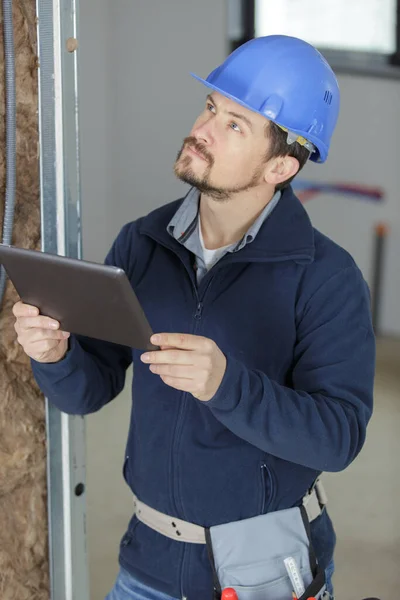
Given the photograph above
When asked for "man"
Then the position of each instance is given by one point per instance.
(265, 374)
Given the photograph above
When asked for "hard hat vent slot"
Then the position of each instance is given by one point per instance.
(328, 97)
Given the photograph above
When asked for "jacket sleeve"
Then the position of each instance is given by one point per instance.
(319, 419)
(93, 371)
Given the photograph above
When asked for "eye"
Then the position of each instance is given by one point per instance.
(235, 127)
(210, 107)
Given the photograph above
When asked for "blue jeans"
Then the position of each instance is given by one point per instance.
(328, 577)
(128, 588)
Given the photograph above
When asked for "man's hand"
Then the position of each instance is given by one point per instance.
(187, 362)
(40, 336)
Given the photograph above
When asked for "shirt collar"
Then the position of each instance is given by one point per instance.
(184, 223)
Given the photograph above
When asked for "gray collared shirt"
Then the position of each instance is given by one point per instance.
(184, 227)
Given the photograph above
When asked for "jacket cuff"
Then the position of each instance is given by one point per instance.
(62, 368)
(225, 397)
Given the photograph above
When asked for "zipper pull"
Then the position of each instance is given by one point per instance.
(198, 311)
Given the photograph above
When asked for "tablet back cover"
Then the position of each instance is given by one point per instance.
(86, 298)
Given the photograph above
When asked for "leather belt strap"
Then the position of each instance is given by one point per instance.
(183, 531)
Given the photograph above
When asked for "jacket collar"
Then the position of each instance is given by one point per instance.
(286, 235)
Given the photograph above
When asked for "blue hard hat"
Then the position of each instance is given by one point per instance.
(286, 80)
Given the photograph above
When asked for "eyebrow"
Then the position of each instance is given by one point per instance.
(233, 114)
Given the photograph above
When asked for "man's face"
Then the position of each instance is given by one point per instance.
(225, 151)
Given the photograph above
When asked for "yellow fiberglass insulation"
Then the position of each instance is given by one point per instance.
(23, 510)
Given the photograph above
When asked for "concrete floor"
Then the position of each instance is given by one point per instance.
(363, 501)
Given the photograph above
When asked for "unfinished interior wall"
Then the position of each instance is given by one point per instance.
(357, 157)
(23, 511)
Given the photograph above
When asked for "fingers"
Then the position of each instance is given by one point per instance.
(183, 385)
(24, 310)
(39, 322)
(39, 336)
(176, 357)
(49, 339)
(183, 341)
(184, 372)
(36, 335)
(28, 318)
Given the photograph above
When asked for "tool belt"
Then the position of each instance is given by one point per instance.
(269, 556)
(183, 531)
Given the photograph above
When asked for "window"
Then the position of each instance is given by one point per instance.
(363, 25)
(353, 34)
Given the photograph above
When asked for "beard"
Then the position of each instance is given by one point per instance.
(183, 171)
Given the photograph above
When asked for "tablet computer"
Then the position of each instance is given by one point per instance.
(86, 298)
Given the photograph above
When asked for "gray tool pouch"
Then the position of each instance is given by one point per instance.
(249, 556)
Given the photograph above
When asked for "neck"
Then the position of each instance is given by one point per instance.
(225, 222)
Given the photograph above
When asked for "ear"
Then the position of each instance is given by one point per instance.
(280, 169)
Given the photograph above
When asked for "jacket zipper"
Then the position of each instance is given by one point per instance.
(178, 424)
(199, 311)
(180, 419)
(178, 431)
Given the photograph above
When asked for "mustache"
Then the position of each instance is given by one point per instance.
(199, 147)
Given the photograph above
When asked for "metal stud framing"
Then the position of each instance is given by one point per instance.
(61, 234)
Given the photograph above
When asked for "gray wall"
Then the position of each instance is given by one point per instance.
(138, 102)
(365, 150)
(154, 101)
(94, 40)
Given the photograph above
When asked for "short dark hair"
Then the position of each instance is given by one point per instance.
(279, 147)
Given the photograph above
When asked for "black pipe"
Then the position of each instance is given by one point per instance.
(394, 59)
(381, 231)
(248, 12)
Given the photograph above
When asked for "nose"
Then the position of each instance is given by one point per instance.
(203, 132)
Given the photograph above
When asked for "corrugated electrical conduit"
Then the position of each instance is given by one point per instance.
(11, 127)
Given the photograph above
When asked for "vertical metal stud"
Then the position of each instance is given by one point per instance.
(61, 234)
